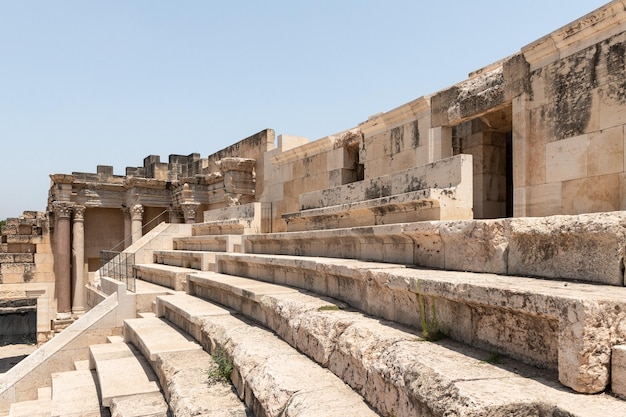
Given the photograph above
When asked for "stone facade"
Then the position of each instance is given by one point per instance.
(27, 276)
(543, 132)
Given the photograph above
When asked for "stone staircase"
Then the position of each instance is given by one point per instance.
(509, 344)
(322, 336)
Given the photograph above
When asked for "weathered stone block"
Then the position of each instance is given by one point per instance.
(605, 153)
(543, 200)
(566, 159)
(479, 246)
(591, 194)
(618, 371)
(585, 247)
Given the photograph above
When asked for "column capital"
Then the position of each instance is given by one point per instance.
(79, 213)
(62, 210)
(189, 211)
(136, 212)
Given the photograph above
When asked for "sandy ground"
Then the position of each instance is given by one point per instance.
(12, 354)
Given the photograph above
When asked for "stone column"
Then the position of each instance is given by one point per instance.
(62, 214)
(136, 217)
(78, 260)
(127, 227)
(189, 211)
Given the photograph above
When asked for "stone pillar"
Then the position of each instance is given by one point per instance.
(189, 211)
(127, 227)
(439, 143)
(136, 217)
(78, 260)
(62, 282)
(521, 156)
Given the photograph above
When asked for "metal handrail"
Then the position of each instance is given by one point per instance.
(119, 266)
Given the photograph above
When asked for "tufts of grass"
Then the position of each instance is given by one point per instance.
(222, 368)
(494, 358)
(328, 308)
(430, 329)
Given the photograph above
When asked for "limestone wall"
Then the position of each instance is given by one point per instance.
(27, 266)
(569, 141)
(386, 143)
(253, 147)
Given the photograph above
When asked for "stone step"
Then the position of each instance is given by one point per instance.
(174, 277)
(41, 407)
(221, 227)
(153, 335)
(210, 243)
(271, 376)
(202, 261)
(121, 371)
(190, 392)
(374, 356)
(567, 326)
(140, 405)
(182, 367)
(81, 365)
(115, 339)
(75, 394)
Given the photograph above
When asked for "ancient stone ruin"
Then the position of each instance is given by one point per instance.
(460, 255)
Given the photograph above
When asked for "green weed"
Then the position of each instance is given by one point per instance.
(223, 367)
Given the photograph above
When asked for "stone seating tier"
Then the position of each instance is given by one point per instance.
(588, 247)
(546, 323)
(271, 376)
(174, 277)
(374, 356)
(212, 243)
(441, 190)
(185, 258)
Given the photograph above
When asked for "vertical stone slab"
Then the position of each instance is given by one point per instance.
(439, 143)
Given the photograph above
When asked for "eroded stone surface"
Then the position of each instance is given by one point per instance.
(586, 247)
(189, 391)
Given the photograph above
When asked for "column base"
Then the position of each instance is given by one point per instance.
(64, 316)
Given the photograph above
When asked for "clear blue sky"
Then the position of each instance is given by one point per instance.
(87, 83)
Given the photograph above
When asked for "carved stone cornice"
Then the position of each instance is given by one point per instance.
(62, 178)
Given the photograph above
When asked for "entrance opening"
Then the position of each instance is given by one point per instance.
(489, 140)
(18, 321)
(356, 168)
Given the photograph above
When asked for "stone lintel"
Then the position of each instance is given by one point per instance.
(469, 99)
